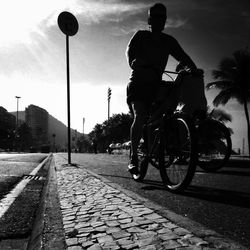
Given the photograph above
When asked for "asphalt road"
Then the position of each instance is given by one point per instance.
(13, 167)
(220, 201)
(17, 221)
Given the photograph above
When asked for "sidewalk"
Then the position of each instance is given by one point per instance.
(100, 215)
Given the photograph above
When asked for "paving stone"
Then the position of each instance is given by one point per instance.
(97, 224)
(75, 248)
(101, 229)
(147, 234)
(112, 230)
(112, 223)
(125, 241)
(68, 218)
(131, 246)
(110, 246)
(135, 230)
(150, 247)
(95, 247)
(81, 225)
(169, 225)
(124, 226)
(82, 235)
(164, 231)
(71, 225)
(144, 222)
(171, 244)
(69, 230)
(125, 221)
(98, 235)
(82, 240)
(124, 216)
(120, 234)
(147, 241)
(181, 231)
(153, 216)
(168, 236)
(110, 208)
(162, 220)
(85, 230)
(153, 226)
(104, 239)
(71, 241)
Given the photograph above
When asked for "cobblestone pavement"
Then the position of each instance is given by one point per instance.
(98, 216)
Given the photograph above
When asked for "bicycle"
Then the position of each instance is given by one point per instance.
(172, 144)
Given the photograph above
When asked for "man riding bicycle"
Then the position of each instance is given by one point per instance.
(147, 54)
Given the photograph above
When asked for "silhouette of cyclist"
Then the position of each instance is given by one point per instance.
(147, 54)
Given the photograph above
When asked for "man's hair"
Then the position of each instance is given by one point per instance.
(158, 6)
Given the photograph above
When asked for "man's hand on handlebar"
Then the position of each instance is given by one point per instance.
(182, 69)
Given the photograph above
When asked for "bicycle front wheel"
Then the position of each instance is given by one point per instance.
(215, 145)
(178, 154)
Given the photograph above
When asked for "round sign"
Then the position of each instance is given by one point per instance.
(67, 23)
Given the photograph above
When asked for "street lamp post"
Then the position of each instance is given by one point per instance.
(109, 96)
(16, 135)
(17, 99)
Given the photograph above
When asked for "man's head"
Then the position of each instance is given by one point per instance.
(157, 16)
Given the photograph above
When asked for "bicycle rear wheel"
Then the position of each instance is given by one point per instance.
(142, 163)
(215, 145)
(178, 154)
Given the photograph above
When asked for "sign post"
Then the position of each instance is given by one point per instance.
(69, 26)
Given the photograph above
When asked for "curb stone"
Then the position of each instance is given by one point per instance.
(49, 207)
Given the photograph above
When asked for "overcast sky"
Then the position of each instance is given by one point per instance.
(32, 51)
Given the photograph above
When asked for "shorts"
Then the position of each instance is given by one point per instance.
(137, 91)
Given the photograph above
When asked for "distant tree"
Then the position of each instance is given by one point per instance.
(219, 114)
(116, 129)
(84, 144)
(24, 136)
(97, 136)
(233, 80)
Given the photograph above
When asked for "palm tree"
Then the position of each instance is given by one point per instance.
(233, 80)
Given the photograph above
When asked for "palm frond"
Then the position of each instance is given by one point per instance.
(222, 98)
(221, 115)
(233, 78)
(218, 84)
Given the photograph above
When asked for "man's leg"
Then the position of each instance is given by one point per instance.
(140, 114)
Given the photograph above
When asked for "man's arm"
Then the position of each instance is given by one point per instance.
(180, 55)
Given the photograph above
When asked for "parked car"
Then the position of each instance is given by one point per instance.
(111, 147)
(126, 145)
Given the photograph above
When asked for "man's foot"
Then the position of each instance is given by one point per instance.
(132, 169)
(133, 166)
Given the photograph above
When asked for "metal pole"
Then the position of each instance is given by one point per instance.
(17, 98)
(108, 108)
(68, 99)
(17, 112)
(16, 136)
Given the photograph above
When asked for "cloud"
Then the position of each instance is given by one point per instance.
(90, 11)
